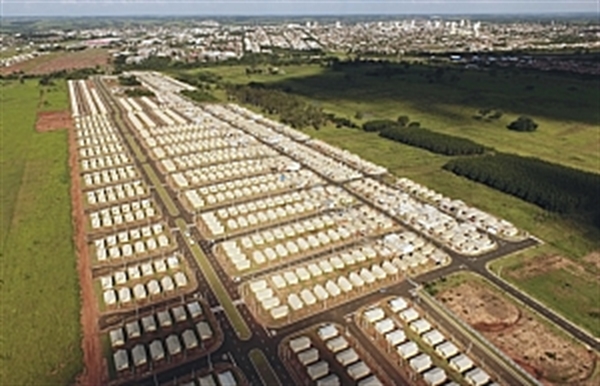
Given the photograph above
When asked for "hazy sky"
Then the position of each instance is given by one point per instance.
(287, 7)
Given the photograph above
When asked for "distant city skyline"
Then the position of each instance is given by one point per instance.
(289, 7)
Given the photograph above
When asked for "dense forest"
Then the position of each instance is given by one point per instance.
(430, 140)
(553, 187)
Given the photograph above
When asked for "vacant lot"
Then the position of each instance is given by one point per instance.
(550, 356)
(571, 287)
(58, 61)
(39, 292)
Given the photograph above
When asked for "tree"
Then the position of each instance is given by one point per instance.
(414, 125)
(523, 123)
(403, 120)
(358, 115)
(378, 125)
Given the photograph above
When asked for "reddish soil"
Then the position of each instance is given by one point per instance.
(551, 357)
(64, 61)
(53, 120)
(94, 369)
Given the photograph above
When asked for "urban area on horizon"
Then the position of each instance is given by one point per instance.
(303, 200)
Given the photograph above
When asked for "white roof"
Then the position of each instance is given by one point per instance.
(300, 343)
(358, 370)
(328, 331)
(435, 376)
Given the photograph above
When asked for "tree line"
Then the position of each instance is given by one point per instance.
(292, 110)
(435, 142)
(138, 92)
(426, 139)
(199, 95)
(128, 81)
(553, 187)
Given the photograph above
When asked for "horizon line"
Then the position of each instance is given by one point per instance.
(523, 13)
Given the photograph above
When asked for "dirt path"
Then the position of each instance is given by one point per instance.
(53, 120)
(93, 373)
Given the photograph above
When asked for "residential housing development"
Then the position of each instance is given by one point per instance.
(211, 228)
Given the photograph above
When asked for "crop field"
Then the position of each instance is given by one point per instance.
(40, 335)
(58, 61)
(563, 107)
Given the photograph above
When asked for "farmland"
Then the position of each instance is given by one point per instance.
(568, 132)
(58, 61)
(40, 337)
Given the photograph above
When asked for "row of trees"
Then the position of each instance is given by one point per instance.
(553, 187)
(138, 92)
(410, 134)
(199, 95)
(129, 81)
(291, 109)
(430, 140)
(199, 79)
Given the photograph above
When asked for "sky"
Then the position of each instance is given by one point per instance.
(288, 7)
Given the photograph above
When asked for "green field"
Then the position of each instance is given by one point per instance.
(263, 367)
(571, 289)
(39, 290)
(565, 108)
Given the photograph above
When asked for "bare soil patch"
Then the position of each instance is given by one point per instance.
(593, 259)
(64, 61)
(94, 366)
(552, 358)
(53, 120)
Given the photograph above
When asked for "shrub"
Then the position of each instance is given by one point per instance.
(523, 124)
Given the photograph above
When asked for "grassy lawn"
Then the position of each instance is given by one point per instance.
(235, 318)
(571, 294)
(571, 289)
(39, 289)
(55, 96)
(263, 367)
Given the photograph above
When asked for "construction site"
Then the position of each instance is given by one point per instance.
(202, 220)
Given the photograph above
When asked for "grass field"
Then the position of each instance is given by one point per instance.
(565, 108)
(235, 318)
(564, 286)
(39, 292)
(263, 367)
(568, 134)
